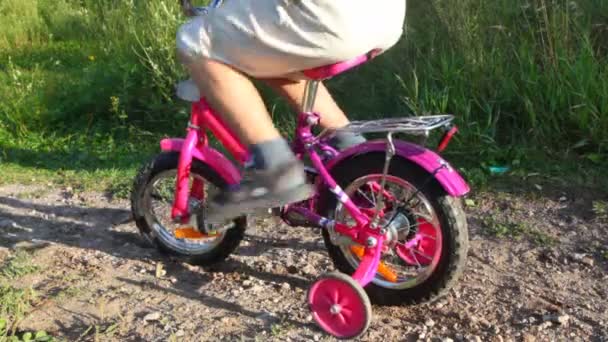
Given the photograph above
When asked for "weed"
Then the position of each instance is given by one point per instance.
(121, 188)
(517, 231)
(18, 266)
(276, 329)
(87, 86)
(38, 193)
(38, 336)
(14, 305)
(106, 330)
(600, 209)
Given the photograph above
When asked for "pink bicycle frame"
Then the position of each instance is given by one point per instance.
(196, 146)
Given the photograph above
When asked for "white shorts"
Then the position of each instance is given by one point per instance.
(278, 38)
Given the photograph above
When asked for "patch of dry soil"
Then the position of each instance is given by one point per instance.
(98, 277)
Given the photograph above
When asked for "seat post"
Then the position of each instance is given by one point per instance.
(310, 95)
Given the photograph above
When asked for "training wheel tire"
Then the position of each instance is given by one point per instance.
(340, 306)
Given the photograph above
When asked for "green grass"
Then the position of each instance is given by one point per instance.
(18, 266)
(17, 302)
(600, 209)
(86, 87)
(516, 230)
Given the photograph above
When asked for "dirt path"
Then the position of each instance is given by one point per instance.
(537, 271)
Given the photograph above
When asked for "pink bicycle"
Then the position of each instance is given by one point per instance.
(389, 210)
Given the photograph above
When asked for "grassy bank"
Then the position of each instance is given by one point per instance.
(86, 87)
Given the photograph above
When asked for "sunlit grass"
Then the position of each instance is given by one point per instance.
(87, 86)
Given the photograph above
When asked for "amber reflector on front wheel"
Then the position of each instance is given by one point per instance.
(191, 233)
(384, 270)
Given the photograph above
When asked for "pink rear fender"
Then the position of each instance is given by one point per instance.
(209, 156)
(446, 175)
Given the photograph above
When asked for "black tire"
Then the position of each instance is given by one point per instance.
(448, 210)
(168, 161)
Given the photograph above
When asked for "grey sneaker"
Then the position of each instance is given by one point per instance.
(261, 189)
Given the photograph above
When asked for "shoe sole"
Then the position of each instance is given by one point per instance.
(297, 194)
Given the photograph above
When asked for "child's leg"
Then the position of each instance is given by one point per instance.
(233, 95)
(331, 114)
(277, 177)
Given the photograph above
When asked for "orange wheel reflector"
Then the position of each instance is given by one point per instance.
(384, 270)
(191, 233)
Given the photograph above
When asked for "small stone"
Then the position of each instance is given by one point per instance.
(588, 261)
(529, 338)
(285, 286)
(485, 322)
(309, 270)
(173, 280)
(257, 289)
(545, 325)
(151, 317)
(180, 333)
(578, 256)
(160, 270)
(563, 319)
(475, 339)
(247, 284)
(429, 323)
(447, 339)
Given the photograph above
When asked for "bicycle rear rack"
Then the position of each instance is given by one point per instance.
(415, 125)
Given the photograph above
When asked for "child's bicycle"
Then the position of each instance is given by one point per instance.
(389, 210)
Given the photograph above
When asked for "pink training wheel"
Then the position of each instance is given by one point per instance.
(340, 306)
(423, 252)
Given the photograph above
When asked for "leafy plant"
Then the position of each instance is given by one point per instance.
(18, 265)
(516, 230)
(600, 209)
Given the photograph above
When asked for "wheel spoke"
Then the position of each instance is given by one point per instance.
(366, 197)
(371, 189)
(419, 266)
(412, 268)
(409, 228)
(422, 254)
